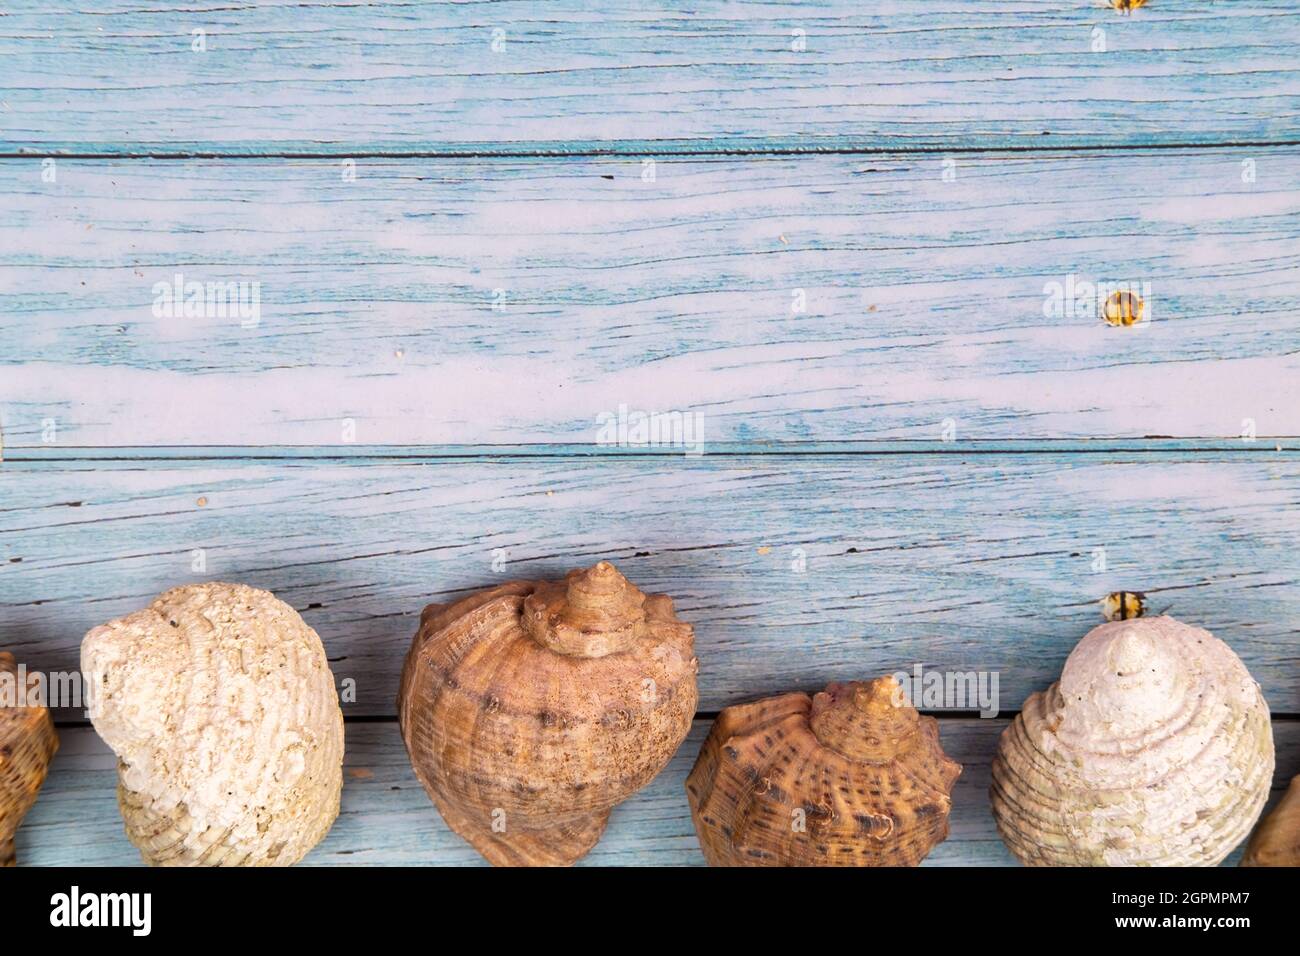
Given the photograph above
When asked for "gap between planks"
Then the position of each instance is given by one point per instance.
(705, 715)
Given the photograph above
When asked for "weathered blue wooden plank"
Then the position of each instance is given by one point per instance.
(1153, 447)
(505, 301)
(386, 819)
(795, 570)
(625, 76)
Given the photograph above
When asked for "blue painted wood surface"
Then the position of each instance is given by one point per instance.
(785, 299)
(638, 78)
(795, 570)
(945, 457)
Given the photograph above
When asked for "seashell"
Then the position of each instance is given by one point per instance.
(529, 710)
(1154, 748)
(1277, 841)
(27, 743)
(220, 706)
(853, 776)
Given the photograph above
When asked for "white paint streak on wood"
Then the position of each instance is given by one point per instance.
(571, 75)
(925, 299)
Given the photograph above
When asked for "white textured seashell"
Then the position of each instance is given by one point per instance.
(221, 708)
(1154, 748)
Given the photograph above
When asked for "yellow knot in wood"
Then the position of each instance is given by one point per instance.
(1122, 308)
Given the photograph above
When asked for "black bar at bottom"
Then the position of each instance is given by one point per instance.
(342, 905)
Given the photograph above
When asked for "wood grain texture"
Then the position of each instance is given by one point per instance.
(623, 75)
(386, 818)
(1145, 447)
(924, 299)
(978, 563)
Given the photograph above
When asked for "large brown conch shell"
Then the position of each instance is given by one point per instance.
(221, 708)
(531, 709)
(27, 742)
(851, 777)
(1153, 749)
(1277, 841)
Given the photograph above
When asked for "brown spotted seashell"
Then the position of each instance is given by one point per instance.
(853, 776)
(529, 710)
(27, 743)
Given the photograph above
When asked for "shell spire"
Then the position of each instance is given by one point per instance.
(864, 721)
(591, 613)
(853, 776)
(1154, 748)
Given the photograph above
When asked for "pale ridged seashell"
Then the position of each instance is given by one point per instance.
(1154, 748)
(1277, 841)
(531, 709)
(853, 776)
(27, 743)
(221, 708)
